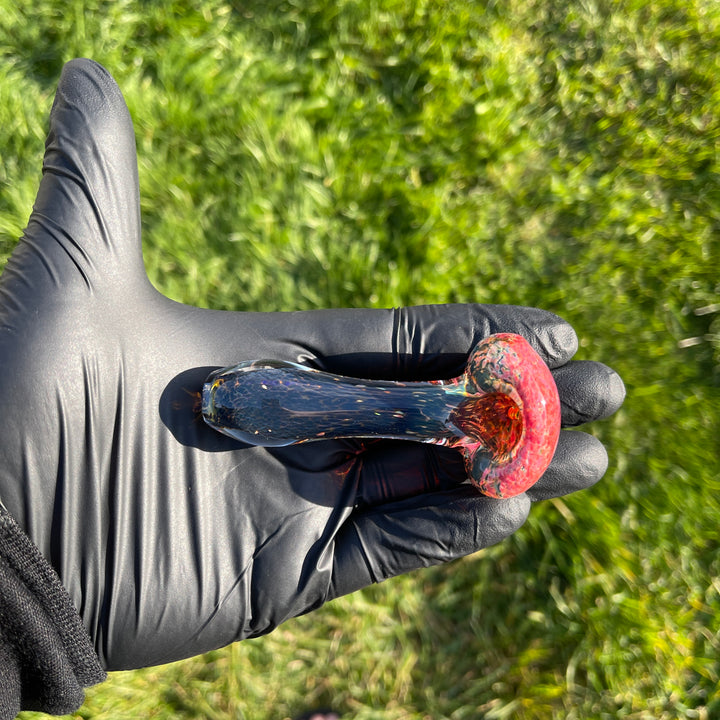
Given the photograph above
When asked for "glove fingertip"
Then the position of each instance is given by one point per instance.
(87, 95)
(558, 342)
(580, 461)
(552, 337)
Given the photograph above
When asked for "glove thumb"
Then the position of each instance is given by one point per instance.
(85, 225)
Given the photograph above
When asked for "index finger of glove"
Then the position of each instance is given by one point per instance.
(433, 341)
(426, 342)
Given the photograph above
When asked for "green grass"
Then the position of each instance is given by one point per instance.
(558, 154)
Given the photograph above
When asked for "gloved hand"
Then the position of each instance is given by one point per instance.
(171, 538)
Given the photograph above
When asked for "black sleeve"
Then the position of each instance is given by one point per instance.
(46, 657)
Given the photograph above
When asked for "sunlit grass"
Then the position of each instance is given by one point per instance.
(565, 155)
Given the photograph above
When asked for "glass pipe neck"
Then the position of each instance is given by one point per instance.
(283, 403)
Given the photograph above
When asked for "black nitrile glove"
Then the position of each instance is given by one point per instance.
(170, 538)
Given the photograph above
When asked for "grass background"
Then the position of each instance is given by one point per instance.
(299, 154)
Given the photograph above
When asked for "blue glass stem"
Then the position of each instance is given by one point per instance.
(274, 403)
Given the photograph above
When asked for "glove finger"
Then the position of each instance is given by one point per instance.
(417, 343)
(425, 335)
(580, 460)
(588, 391)
(86, 218)
(400, 537)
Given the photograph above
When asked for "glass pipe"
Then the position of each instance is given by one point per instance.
(502, 413)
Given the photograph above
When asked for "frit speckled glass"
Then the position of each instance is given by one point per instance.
(502, 413)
